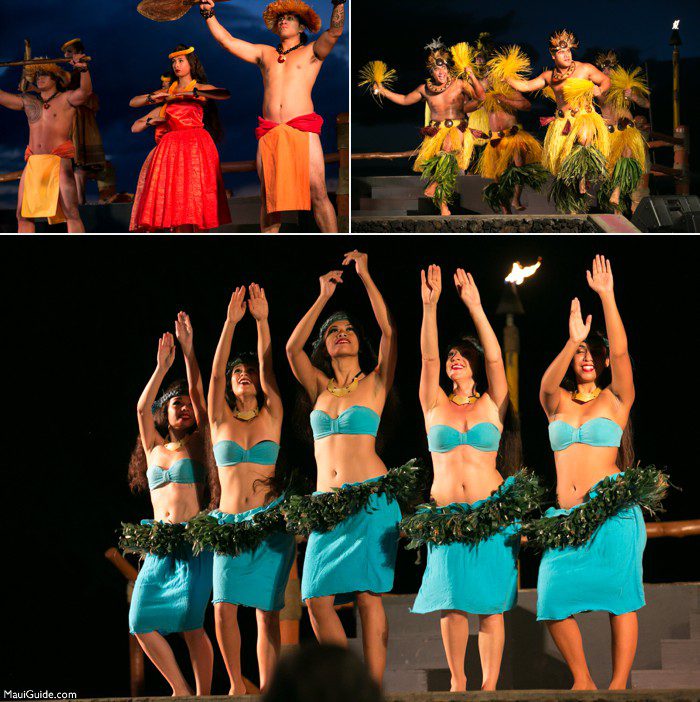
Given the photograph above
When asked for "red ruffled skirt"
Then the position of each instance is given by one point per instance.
(180, 184)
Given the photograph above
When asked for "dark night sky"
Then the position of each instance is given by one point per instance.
(81, 339)
(396, 34)
(130, 53)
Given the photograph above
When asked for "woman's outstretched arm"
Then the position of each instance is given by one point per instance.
(550, 390)
(304, 371)
(259, 309)
(429, 389)
(147, 426)
(217, 384)
(600, 279)
(386, 364)
(184, 334)
(493, 358)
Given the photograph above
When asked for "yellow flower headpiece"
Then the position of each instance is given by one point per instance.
(70, 43)
(184, 52)
(562, 39)
(608, 60)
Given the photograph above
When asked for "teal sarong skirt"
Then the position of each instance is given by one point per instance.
(480, 578)
(171, 593)
(254, 578)
(357, 555)
(602, 575)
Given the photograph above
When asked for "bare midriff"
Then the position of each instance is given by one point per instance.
(288, 85)
(244, 486)
(464, 474)
(175, 502)
(346, 458)
(611, 115)
(448, 104)
(499, 121)
(579, 468)
(48, 128)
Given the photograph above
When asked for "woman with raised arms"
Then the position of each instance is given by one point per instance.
(352, 519)
(593, 544)
(472, 526)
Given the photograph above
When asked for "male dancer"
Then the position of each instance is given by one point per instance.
(629, 154)
(577, 143)
(290, 158)
(89, 152)
(447, 144)
(47, 187)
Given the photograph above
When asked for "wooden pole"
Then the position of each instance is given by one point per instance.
(676, 87)
(24, 83)
(680, 161)
(343, 191)
(511, 347)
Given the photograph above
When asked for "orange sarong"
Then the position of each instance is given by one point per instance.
(284, 151)
(40, 197)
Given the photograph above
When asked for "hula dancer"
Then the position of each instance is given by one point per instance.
(89, 152)
(352, 520)
(173, 587)
(250, 569)
(47, 186)
(180, 187)
(472, 526)
(629, 155)
(447, 145)
(593, 544)
(290, 158)
(511, 156)
(577, 143)
(482, 50)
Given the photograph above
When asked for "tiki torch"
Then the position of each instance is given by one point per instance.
(510, 306)
(675, 42)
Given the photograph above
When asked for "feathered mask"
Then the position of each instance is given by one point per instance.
(438, 54)
(608, 60)
(563, 39)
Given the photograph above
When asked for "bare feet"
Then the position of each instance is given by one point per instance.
(584, 685)
(238, 688)
(430, 190)
(444, 209)
(458, 684)
(517, 205)
(505, 209)
(615, 197)
(582, 187)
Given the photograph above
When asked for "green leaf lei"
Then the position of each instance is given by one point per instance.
(159, 538)
(645, 487)
(206, 534)
(446, 525)
(321, 513)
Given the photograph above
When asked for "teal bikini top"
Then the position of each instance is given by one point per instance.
(354, 420)
(229, 453)
(185, 471)
(484, 436)
(595, 432)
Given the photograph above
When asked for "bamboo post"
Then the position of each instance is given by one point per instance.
(24, 83)
(680, 161)
(343, 191)
(676, 87)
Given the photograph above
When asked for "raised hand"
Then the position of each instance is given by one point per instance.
(166, 351)
(183, 332)
(578, 331)
(601, 279)
(360, 260)
(257, 302)
(329, 282)
(431, 285)
(206, 4)
(77, 62)
(466, 289)
(237, 306)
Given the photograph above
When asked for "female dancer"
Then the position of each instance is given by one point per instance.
(594, 543)
(469, 569)
(180, 187)
(246, 421)
(353, 517)
(173, 586)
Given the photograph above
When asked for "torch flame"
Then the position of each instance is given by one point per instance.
(677, 24)
(519, 273)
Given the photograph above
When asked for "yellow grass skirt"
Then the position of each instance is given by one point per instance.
(586, 128)
(432, 146)
(630, 138)
(495, 159)
(479, 120)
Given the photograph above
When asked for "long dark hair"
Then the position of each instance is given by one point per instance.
(510, 449)
(598, 344)
(212, 122)
(199, 445)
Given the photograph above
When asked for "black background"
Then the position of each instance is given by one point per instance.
(80, 328)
